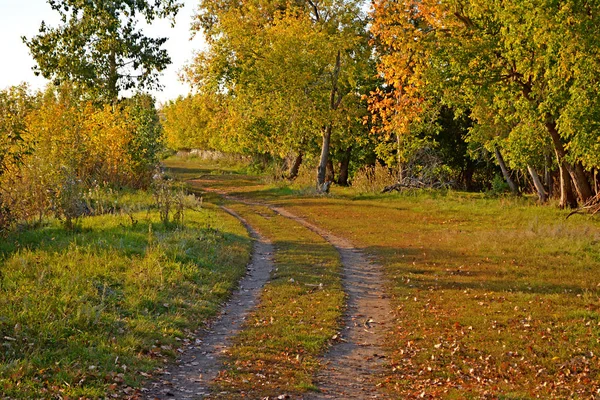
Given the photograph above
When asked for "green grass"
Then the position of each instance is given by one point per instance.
(493, 297)
(87, 313)
(299, 312)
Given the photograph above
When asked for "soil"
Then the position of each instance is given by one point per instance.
(190, 377)
(353, 364)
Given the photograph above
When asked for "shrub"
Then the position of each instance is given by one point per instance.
(62, 146)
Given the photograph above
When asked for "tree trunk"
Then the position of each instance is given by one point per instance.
(399, 158)
(324, 158)
(538, 184)
(334, 102)
(505, 173)
(567, 196)
(293, 172)
(113, 77)
(344, 166)
(584, 189)
(468, 175)
(576, 172)
(548, 177)
(330, 172)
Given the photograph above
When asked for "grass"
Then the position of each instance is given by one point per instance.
(298, 314)
(493, 297)
(91, 313)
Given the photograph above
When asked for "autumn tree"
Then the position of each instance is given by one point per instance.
(15, 104)
(99, 47)
(527, 67)
(288, 68)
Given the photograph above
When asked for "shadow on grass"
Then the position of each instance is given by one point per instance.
(125, 240)
(445, 274)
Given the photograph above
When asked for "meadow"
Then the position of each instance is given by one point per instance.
(94, 311)
(494, 296)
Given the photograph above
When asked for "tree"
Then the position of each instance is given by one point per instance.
(15, 104)
(528, 66)
(99, 48)
(288, 68)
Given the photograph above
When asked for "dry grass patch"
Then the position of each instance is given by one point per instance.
(493, 298)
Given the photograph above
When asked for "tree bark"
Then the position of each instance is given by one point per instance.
(505, 173)
(293, 172)
(324, 157)
(344, 167)
(584, 188)
(330, 172)
(548, 176)
(113, 77)
(399, 158)
(539, 187)
(567, 196)
(334, 102)
(469, 170)
(576, 172)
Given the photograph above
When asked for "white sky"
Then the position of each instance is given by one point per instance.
(23, 18)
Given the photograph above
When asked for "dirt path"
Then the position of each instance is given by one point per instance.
(352, 364)
(200, 364)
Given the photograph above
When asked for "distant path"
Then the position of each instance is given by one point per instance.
(353, 364)
(200, 364)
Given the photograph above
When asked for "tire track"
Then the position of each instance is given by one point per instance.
(190, 377)
(353, 364)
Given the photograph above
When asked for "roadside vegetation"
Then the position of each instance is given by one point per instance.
(92, 312)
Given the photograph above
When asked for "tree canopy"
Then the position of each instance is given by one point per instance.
(291, 72)
(99, 47)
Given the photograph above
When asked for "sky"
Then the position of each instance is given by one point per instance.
(23, 18)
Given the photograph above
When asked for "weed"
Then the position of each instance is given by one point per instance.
(373, 179)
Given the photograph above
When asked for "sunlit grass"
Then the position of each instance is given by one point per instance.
(83, 313)
(493, 297)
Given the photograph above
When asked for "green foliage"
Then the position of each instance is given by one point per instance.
(287, 73)
(194, 122)
(171, 199)
(147, 142)
(98, 47)
(499, 186)
(15, 104)
(522, 70)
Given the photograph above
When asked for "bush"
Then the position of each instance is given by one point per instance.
(499, 187)
(62, 147)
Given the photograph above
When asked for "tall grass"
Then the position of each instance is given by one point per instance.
(83, 313)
